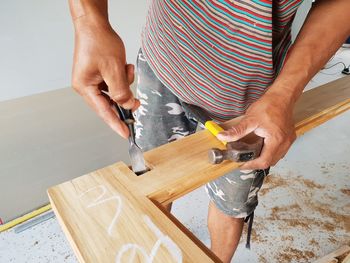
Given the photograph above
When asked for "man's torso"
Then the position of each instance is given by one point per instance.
(220, 55)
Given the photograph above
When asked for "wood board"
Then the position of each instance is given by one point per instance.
(189, 155)
(335, 255)
(176, 169)
(108, 221)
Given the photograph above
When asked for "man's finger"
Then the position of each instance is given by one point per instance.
(130, 73)
(102, 107)
(118, 86)
(265, 160)
(238, 131)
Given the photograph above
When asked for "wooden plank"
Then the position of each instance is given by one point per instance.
(176, 169)
(108, 221)
(321, 104)
(182, 166)
(333, 257)
(346, 259)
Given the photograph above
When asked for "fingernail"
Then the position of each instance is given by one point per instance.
(222, 136)
(129, 104)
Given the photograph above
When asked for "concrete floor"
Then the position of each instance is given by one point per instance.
(304, 210)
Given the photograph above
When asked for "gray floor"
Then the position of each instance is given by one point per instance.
(304, 209)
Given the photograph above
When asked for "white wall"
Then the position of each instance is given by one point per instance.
(300, 17)
(51, 137)
(36, 42)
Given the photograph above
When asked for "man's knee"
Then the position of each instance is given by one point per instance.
(235, 194)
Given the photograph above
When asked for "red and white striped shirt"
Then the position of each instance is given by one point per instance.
(220, 55)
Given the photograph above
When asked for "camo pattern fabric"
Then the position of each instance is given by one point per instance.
(161, 119)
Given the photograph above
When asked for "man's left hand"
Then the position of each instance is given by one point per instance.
(270, 117)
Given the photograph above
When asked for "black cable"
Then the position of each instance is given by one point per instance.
(335, 65)
(345, 70)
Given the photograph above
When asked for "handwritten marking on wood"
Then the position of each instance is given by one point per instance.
(110, 221)
(164, 240)
(134, 248)
(177, 168)
(99, 200)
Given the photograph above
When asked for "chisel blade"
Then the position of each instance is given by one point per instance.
(136, 158)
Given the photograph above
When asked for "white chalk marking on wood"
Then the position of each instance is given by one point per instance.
(173, 249)
(99, 200)
(125, 248)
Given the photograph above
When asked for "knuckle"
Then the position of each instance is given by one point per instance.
(264, 164)
(121, 96)
(239, 128)
(77, 87)
(279, 136)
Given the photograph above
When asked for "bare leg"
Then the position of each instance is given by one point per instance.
(225, 232)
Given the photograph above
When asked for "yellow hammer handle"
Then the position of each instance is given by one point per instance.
(214, 128)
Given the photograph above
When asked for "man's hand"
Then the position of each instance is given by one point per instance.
(271, 117)
(100, 67)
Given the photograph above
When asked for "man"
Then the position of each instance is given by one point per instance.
(231, 58)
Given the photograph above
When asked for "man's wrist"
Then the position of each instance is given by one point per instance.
(284, 93)
(90, 21)
(89, 14)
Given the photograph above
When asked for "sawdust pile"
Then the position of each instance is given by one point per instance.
(345, 191)
(274, 180)
(305, 213)
(290, 254)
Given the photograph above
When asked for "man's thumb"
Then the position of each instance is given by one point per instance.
(238, 131)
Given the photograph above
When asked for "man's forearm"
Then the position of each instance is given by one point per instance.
(324, 30)
(91, 11)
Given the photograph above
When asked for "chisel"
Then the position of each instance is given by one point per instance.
(136, 156)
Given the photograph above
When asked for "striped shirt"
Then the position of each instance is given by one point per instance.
(220, 55)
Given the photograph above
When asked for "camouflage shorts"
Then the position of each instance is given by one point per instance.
(161, 119)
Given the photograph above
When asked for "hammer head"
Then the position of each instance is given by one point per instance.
(243, 150)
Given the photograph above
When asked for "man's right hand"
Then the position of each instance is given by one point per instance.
(100, 65)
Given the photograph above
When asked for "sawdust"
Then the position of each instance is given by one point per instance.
(256, 236)
(314, 243)
(262, 259)
(345, 191)
(306, 223)
(277, 211)
(289, 254)
(332, 240)
(302, 215)
(272, 181)
(275, 180)
(325, 210)
(287, 238)
(309, 183)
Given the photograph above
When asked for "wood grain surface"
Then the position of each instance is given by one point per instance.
(87, 217)
(333, 257)
(182, 166)
(108, 221)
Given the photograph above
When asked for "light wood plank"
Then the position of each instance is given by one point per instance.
(108, 221)
(182, 166)
(177, 168)
(320, 104)
(332, 256)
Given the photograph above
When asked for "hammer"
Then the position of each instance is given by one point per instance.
(246, 149)
(243, 150)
